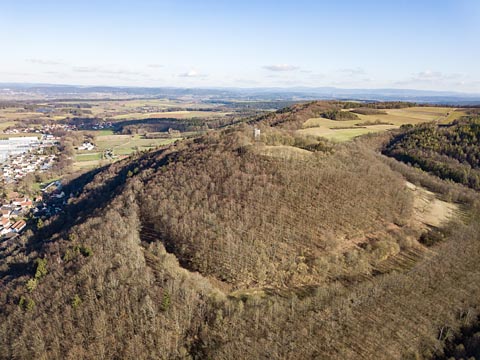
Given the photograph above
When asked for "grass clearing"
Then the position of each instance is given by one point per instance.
(88, 157)
(133, 145)
(123, 142)
(428, 209)
(322, 122)
(414, 115)
(91, 164)
(346, 130)
(101, 132)
(122, 145)
(340, 135)
(284, 152)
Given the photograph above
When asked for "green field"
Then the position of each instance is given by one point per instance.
(88, 157)
(101, 132)
(122, 145)
(346, 130)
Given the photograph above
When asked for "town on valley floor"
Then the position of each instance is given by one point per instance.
(22, 157)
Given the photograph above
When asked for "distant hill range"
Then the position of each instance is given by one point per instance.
(16, 91)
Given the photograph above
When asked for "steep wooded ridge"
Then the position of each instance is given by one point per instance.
(449, 151)
(227, 247)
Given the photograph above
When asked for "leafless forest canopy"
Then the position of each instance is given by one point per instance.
(219, 247)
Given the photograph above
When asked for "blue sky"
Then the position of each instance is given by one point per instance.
(420, 44)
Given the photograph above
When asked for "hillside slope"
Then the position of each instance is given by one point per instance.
(248, 220)
(449, 151)
(213, 247)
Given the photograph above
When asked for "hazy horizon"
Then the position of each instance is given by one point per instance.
(280, 89)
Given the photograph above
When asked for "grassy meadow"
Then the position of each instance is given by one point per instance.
(394, 118)
(121, 145)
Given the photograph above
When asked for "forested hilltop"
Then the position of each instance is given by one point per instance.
(450, 151)
(228, 246)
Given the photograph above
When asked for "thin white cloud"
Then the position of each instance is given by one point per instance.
(43, 61)
(104, 71)
(56, 73)
(358, 71)
(281, 67)
(429, 75)
(437, 80)
(155, 66)
(432, 78)
(192, 74)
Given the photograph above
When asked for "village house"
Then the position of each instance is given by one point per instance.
(6, 211)
(5, 223)
(5, 229)
(26, 204)
(86, 146)
(16, 167)
(19, 201)
(19, 226)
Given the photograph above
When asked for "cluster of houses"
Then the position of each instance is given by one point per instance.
(18, 166)
(13, 209)
(22, 155)
(52, 201)
(56, 127)
(42, 129)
